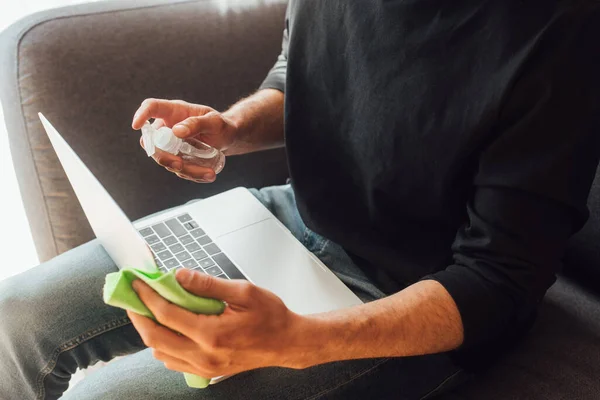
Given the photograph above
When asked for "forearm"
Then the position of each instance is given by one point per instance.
(422, 319)
(258, 120)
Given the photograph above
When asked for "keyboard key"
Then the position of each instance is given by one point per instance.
(185, 218)
(161, 230)
(170, 240)
(158, 263)
(165, 255)
(197, 233)
(159, 247)
(192, 247)
(172, 263)
(176, 248)
(227, 266)
(152, 240)
(164, 269)
(176, 227)
(199, 270)
(183, 256)
(212, 249)
(191, 263)
(146, 232)
(199, 255)
(222, 277)
(214, 271)
(191, 225)
(206, 263)
(187, 239)
(204, 240)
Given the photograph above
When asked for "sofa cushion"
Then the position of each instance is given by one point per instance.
(582, 260)
(559, 359)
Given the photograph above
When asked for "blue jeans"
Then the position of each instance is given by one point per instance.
(53, 321)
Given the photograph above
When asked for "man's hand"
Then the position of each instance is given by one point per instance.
(187, 120)
(255, 330)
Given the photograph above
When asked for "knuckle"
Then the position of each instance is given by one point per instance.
(202, 282)
(180, 102)
(161, 312)
(149, 340)
(247, 290)
(149, 103)
(213, 342)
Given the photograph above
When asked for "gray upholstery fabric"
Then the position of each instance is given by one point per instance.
(559, 359)
(583, 256)
(87, 68)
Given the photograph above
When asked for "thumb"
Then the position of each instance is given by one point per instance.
(207, 124)
(204, 285)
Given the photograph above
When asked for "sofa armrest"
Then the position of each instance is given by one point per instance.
(88, 67)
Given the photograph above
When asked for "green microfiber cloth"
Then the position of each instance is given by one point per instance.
(118, 292)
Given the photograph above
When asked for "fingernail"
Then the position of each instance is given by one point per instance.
(176, 165)
(208, 177)
(183, 275)
(181, 130)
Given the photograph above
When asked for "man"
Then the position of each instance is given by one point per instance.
(441, 155)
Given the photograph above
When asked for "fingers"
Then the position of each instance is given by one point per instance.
(168, 314)
(184, 170)
(151, 108)
(169, 111)
(234, 292)
(197, 173)
(211, 122)
(174, 363)
(168, 160)
(158, 337)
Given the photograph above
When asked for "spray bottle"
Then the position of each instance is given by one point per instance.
(190, 150)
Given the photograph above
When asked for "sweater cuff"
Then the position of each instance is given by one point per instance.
(488, 313)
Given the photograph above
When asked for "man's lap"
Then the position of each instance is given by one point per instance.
(140, 376)
(76, 325)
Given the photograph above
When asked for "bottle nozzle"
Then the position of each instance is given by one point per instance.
(148, 138)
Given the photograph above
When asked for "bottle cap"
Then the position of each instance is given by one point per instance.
(165, 140)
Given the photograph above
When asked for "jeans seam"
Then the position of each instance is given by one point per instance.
(353, 378)
(72, 343)
(438, 387)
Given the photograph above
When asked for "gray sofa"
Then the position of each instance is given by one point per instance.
(88, 67)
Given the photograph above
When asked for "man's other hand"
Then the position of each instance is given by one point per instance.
(187, 121)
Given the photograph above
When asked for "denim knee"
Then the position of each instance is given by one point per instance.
(21, 313)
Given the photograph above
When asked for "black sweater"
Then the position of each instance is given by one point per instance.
(446, 140)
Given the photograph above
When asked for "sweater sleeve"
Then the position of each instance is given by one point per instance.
(529, 195)
(277, 75)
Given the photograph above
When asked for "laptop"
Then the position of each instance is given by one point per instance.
(229, 236)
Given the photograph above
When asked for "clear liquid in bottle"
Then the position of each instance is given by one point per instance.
(190, 150)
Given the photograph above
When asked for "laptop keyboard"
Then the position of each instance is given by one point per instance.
(181, 243)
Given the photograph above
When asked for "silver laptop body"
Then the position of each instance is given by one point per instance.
(230, 235)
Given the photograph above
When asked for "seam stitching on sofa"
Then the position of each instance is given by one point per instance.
(353, 378)
(440, 386)
(27, 29)
(28, 137)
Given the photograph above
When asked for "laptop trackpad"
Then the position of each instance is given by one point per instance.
(272, 258)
